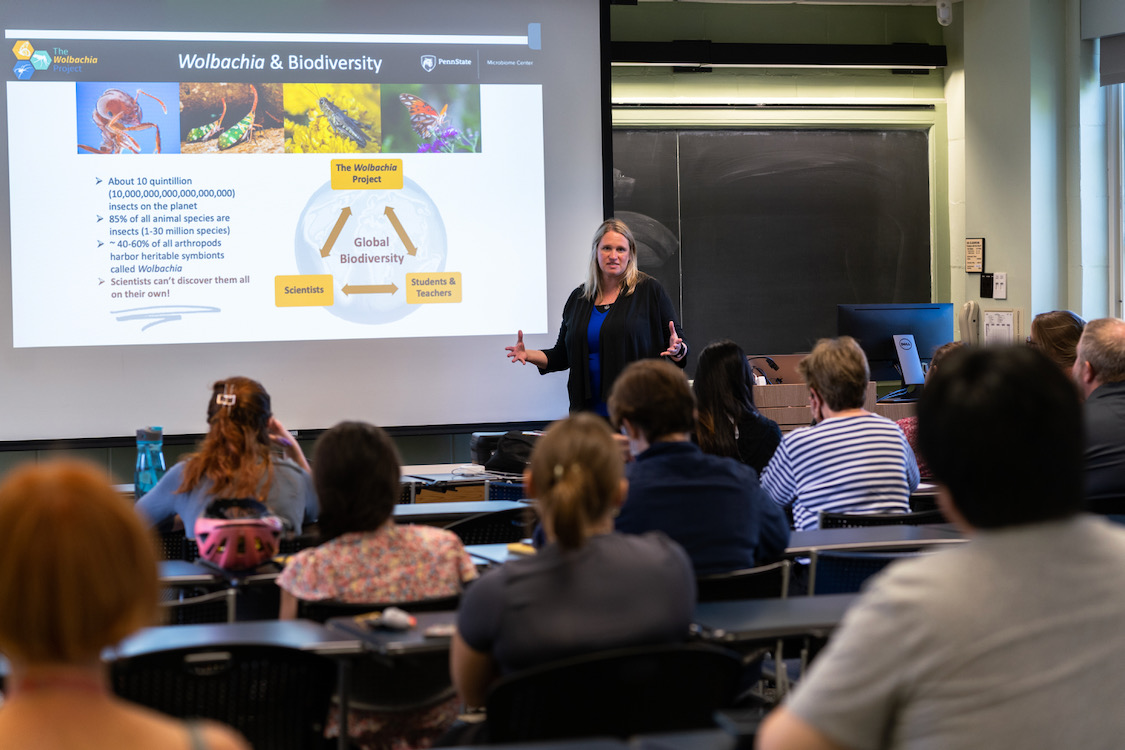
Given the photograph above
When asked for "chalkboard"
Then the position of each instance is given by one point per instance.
(759, 234)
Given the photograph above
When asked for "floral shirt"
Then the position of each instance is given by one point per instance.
(395, 563)
(909, 427)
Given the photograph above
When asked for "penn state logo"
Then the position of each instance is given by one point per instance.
(429, 62)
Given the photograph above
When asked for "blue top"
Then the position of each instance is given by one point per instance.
(712, 505)
(291, 497)
(593, 342)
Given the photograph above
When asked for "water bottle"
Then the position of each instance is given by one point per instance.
(150, 460)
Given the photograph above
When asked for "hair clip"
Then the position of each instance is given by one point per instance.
(227, 398)
(559, 471)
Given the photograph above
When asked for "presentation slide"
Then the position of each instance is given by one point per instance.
(214, 194)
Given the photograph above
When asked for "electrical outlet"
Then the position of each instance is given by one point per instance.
(1000, 286)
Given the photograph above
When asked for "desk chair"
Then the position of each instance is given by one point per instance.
(276, 696)
(833, 572)
(763, 582)
(391, 685)
(195, 605)
(495, 489)
(501, 527)
(615, 693)
(174, 545)
(856, 520)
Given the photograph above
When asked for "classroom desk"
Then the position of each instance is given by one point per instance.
(305, 635)
(489, 554)
(443, 514)
(872, 538)
(183, 573)
(391, 643)
(802, 543)
(752, 620)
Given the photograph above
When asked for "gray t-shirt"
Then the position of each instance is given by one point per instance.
(616, 590)
(1015, 640)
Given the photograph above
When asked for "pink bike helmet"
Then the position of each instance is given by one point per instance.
(237, 534)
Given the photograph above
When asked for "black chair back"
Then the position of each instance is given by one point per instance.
(276, 696)
(174, 545)
(500, 527)
(194, 605)
(615, 693)
(856, 520)
(763, 582)
(845, 572)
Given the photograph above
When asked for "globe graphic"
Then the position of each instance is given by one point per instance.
(370, 256)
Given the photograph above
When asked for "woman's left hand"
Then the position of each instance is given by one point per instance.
(288, 444)
(677, 349)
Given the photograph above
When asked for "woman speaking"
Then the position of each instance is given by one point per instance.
(619, 315)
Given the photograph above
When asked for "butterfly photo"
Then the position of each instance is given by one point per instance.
(431, 118)
(425, 120)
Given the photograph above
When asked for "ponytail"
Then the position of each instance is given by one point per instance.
(576, 472)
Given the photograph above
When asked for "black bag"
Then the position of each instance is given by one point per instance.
(513, 451)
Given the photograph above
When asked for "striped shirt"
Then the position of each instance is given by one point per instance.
(860, 464)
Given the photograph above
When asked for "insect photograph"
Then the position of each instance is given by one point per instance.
(431, 118)
(230, 118)
(340, 118)
(120, 117)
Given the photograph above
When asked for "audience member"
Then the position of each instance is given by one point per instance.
(1056, 334)
(909, 425)
(79, 574)
(1100, 372)
(366, 557)
(1013, 639)
(712, 505)
(236, 460)
(729, 424)
(850, 460)
(589, 589)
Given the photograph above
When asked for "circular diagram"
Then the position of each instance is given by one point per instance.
(368, 241)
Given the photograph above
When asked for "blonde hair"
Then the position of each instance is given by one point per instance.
(593, 286)
(78, 567)
(1056, 334)
(837, 370)
(576, 471)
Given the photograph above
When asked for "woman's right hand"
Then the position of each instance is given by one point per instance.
(517, 353)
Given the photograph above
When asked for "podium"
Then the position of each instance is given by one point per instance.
(788, 405)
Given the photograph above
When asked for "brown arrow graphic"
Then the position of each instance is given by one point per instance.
(390, 214)
(345, 212)
(350, 289)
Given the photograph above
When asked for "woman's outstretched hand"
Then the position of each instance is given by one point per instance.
(677, 349)
(517, 353)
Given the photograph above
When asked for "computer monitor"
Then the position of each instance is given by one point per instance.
(874, 326)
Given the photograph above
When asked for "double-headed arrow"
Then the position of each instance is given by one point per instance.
(350, 289)
(345, 212)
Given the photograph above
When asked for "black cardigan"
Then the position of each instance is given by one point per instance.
(636, 327)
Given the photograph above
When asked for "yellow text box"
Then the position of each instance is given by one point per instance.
(312, 290)
(433, 288)
(366, 174)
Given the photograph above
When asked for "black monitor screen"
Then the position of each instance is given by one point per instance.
(874, 327)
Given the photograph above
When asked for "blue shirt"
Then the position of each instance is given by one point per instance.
(594, 343)
(712, 505)
(291, 497)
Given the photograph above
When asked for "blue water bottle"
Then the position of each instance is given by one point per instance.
(150, 460)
